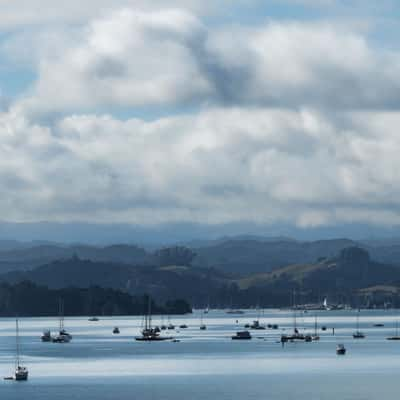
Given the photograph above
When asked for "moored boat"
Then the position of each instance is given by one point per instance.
(46, 336)
(340, 349)
(242, 335)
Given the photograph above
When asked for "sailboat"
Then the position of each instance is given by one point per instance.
(358, 334)
(21, 373)
(170, 325)
(63, 336)
(296, 334)
(256, 323)
(396, 336)
(315, 336)
(150, 334)
(203, 327)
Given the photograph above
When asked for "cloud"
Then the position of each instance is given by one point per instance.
(168, 58)
(218, 166)
(288, 122)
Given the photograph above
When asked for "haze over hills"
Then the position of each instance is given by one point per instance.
(238, 255)
(171, 233)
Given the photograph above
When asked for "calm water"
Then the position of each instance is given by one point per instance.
(205, 364)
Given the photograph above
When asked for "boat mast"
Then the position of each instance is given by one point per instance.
(16, 344)
(61, 313)
(294, 312)
(148, 319)
(315, 325)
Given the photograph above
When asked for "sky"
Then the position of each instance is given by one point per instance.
(200, 112)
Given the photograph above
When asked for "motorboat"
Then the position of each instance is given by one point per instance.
(62, 337)
(340, 349)
(256, 325)
(21, 373)
(242, 335)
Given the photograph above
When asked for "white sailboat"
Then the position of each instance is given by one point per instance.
(21, 373)
(63, 336)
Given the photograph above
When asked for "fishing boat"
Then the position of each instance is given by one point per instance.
(396, 335)
(21, 372)
(340, 349)
(150, 334)
(242, 335)
(63, 336)
(358, 334)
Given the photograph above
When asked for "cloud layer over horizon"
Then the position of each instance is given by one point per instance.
(149, 115)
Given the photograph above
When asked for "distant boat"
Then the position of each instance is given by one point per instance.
(93, 319)
(235, 312)
(315, 337)
(296, 335)
(46, 337)
(63, 336)
(170, 326)
(183, 326)
(243, 335)
(340, 349)
(358, 334)
(256, 325)
(150, 334)
(116, 330)
(21, 373)
(203, 326)
(396, 336)
(379, 325)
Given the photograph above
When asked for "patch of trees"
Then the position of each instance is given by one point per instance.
(28, 299)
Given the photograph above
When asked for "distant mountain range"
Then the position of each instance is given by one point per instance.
(235, 255)
(179, 233)
(349, 276)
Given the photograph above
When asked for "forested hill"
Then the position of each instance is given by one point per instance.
(346, 277)
(28, 299)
